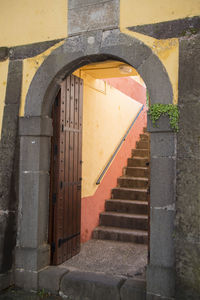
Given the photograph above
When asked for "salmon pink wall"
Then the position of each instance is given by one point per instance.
(129, 87)
(93, 205)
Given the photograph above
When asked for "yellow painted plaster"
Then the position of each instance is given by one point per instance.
(30, 67)
(3, 83)
(109, 69)
(25, 21)
(168, 53)
(134, 12)
(107, 114)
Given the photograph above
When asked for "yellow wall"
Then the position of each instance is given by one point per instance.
(30, 67)
(3, 82)
(168, 53)
(25, 21)
(134, 12)
(107, 114)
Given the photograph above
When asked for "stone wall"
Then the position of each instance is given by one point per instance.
(8, 172)
(188, 172)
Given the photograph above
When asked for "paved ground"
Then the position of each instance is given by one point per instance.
(18, 294)
(110, 257)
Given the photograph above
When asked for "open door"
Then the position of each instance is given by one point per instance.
(65, 179)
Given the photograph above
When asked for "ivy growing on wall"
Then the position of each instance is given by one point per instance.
(156, 110)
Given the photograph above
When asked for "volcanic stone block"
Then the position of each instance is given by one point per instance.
(160, 282)
(92, 15)
(28, 280)
(34, 153)
(33, 209)
(162, 189)
(87, 285)
(35, 126)
(50, 278)
(32, 259)
(162, 236)
(133, 289)
(164, 94)
(163, 145)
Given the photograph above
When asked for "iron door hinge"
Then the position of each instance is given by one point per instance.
(62, 241)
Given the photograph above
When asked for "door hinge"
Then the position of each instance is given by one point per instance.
(53, 247)
(62, 241)
(54, 198)
(62, 127)
(61, 184)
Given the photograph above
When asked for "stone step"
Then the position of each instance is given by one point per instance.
(127, 206)
(136, 171)
(129, 194)
(122, 220)
(142, 145)
(138, 162)
(132, 182)
(120, 234)
(140, 153)
(144, 136)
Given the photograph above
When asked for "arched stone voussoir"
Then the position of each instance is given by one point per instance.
(93, 47)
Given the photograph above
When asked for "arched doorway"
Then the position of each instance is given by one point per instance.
(32, 252)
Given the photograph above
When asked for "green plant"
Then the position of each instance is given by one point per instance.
(42, 294)
(147, 98)
(156, 110)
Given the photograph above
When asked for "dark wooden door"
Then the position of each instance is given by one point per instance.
(65, 179)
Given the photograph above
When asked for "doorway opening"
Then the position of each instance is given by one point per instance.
(99, 186)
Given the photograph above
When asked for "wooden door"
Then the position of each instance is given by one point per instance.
(65, 179)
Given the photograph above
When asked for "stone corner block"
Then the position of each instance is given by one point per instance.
(161, 236)
(89, 285)
(50, 278)
(160, 281)
(89, 15)
(134, 289)
(35, 126)
(162, 185)
(32, 259)
(162, 125)
(27, 280)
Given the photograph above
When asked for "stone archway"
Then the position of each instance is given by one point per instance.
(35, 130)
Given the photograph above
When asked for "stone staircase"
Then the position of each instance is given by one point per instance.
(126, 214)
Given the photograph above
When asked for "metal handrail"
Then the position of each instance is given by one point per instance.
(116, 150)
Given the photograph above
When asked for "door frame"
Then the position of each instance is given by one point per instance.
(35, 131)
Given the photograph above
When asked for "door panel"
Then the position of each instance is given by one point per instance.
(65, 185)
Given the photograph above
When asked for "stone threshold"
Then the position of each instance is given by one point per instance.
(74, 284)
